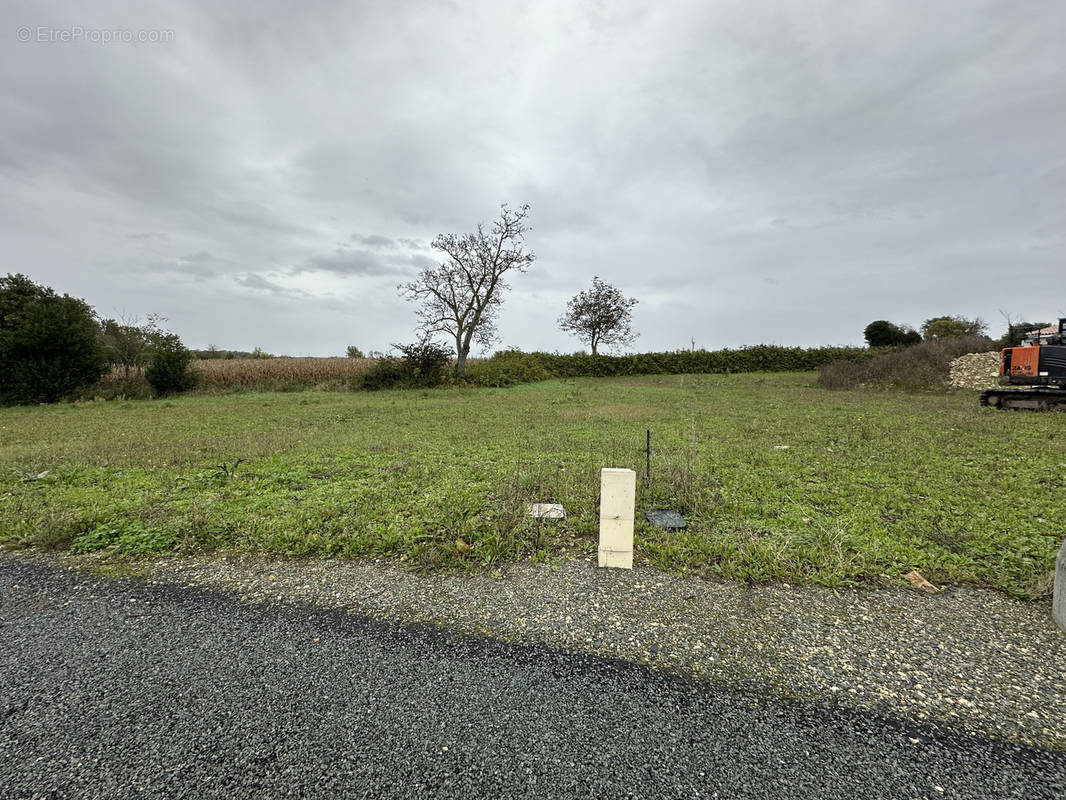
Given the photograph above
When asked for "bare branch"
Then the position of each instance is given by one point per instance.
(462, 295)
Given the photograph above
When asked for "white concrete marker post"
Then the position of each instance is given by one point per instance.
(618, 496)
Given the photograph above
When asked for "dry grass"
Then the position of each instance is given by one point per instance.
(251, 375)
(924, 367)
(271, 374)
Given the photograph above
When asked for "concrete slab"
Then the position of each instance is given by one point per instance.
(666, 518)
(547, 511)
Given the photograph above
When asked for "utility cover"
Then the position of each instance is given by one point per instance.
(666, 518)
(547, 511)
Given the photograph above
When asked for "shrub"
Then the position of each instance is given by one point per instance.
(170, 369)
(423, 364)
(387, 373)
(49, 345)
(922, 368)
(507, 368)
(952, 328)
(882, 333)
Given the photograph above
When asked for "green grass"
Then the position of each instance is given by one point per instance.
(870, 484)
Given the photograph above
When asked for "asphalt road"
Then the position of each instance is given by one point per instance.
(124, 689)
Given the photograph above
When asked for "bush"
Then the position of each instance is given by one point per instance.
(49, 345)
(422, 365)
(170, 369)
(387, 373)
(882, 333)
(507, 368)
(952, 328)
(922, 368)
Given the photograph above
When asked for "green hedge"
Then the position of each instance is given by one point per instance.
(512, 366)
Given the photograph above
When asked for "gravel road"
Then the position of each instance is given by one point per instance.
(124, 688)
(966, 657)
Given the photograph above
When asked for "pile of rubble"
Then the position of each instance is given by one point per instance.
(975, 371)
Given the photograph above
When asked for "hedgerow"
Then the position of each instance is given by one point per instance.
(512, 366)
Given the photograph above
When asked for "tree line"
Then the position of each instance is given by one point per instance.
(52, 345)
(882, 333)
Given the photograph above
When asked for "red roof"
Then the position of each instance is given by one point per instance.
(1050, 330)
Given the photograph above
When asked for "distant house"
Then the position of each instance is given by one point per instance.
(1050, 330)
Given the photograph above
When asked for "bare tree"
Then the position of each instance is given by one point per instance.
(460, 298)
(600, 315)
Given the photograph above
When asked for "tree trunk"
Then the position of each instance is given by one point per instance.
(460, 363)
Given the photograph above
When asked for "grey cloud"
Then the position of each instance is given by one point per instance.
(199, 257)
(255, 281)
(348, 262)
(200, 264)
(195, 269)
(419, 261)
(818, 165)
(375, 241)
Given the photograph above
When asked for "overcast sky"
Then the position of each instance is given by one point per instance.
(786, 172)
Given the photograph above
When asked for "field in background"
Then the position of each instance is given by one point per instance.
(781, 480)
(219, 375)
(503, 368)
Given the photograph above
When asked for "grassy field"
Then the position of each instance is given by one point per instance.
(780, 479)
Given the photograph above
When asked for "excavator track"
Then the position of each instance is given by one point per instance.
(1025, 399)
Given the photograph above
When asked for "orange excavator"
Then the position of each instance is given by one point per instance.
(1039, 365)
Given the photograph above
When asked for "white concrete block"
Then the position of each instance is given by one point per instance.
(618, 492)
(612, 559)
(616, 534)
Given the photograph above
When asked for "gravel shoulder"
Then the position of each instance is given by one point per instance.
(974, 659)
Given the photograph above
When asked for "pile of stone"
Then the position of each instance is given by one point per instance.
(975, 371)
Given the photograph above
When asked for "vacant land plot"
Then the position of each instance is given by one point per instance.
(779, 479)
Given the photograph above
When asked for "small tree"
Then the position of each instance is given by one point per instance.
(461, 297)
(599, 316)
(950, 327)
(49, 345)
(354, 352)
(128, 344)
(170, 368)
(882, 333)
